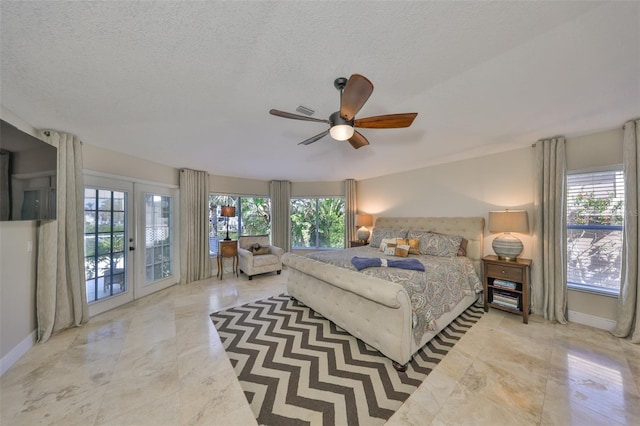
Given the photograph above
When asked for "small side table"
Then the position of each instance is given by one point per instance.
(227, 249)
(358, 243)
(506, 285)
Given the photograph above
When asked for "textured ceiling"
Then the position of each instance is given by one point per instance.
(190, 84)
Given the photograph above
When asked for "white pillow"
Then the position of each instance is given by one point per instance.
(385, 242)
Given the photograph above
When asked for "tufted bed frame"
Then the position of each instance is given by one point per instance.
(376, 311)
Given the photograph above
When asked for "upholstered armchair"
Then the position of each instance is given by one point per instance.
(257, 256)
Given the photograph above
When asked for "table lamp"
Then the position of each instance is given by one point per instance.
(228, 211)
(506, 246)
(363, 220)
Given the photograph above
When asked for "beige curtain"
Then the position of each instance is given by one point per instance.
(350, 210)
(280, 192)
(195, 262)
(549, 274)
(5, 204)
(61, 294)
(628, 317)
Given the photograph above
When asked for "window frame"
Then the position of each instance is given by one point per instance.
(213, 251)
(585, 287)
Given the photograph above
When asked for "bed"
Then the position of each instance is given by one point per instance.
(381, 306)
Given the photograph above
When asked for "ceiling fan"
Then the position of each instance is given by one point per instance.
(354, 92)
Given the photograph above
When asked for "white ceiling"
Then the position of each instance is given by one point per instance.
(190, 84)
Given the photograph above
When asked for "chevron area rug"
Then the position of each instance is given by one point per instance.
(296, 367)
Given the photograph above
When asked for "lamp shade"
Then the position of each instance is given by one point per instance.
(509, 221)
(228, 211)
(364, 220)
(506, 246)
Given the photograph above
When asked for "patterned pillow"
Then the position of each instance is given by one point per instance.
(440, 245)
(401, 250)
(462, 250)
(413, 243)
(257, 250)
(414, 234)
(379, 233)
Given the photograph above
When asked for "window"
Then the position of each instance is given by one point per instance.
(253, 217)
(158, 235)
(595, 203)
(317, 222)
(104, 242)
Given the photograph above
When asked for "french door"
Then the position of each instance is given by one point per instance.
(157, 236)
(130, 238)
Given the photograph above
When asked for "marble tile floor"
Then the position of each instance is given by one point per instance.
(159, 361)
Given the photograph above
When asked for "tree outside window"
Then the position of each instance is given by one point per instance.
(595, 220)
(253, 217)
(317, 222)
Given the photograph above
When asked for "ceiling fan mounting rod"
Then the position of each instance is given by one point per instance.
(339, 83)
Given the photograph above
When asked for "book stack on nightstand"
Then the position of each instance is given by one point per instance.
(506, 285)
(503, 294)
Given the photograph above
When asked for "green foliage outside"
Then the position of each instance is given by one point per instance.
(253, 216)
(314, 222)
(593, 255)
(317, 222)
(589, 209)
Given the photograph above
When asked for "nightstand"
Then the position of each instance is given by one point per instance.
(227, 249)
(358, 243)
(506, 285)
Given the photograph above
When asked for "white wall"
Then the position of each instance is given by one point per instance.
(17, 273)
(474, 187)
(462, 188)
(17, 283)
(114, 163)
(240, 186)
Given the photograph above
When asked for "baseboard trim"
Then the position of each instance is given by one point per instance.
(17, 352)
(592, 321)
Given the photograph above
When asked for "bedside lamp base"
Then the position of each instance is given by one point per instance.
(363, 234)
(507, 247)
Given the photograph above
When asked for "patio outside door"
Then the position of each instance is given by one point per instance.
(130, 241)
(107, 242)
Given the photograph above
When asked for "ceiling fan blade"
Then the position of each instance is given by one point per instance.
(358, 141)
(354, 96)
(285, 114)
(312, 139)
(389, 121)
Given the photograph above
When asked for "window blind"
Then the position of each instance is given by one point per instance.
(595, 198)
(595, 217)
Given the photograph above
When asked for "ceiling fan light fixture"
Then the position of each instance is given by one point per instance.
(354, 92)
(341, 132)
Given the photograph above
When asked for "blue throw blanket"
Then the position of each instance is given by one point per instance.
(361, 263)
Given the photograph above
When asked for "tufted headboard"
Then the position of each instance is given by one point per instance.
(471, 228)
